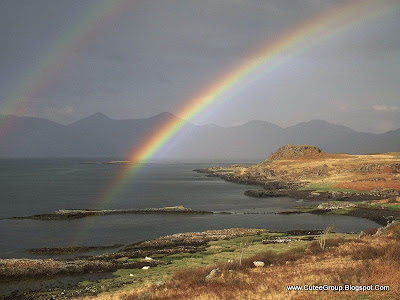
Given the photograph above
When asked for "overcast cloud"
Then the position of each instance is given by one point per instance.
(157, 54)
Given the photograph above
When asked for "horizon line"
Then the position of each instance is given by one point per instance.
(198, 125)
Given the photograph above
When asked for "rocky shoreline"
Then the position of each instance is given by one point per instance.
(305, 172)
(132, 263)
(314, 195)
(141, 255)
(377, 215)
(296, 190)
(70, 249)
(66, 214)
(22, 269)
(130, 257)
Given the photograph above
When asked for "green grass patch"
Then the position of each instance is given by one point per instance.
(216, 252)
(392, 206)
(305, 209)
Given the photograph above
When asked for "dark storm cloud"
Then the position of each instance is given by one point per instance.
(157, 54)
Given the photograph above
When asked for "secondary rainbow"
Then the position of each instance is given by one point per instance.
(38, 79)
(268, 57)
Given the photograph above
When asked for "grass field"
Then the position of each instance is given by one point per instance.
(343, 259)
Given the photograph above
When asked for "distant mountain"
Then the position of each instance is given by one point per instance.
(397, 131)
(98, 135)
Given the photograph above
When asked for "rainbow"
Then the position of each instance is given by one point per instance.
(267, 58)
(38, 79)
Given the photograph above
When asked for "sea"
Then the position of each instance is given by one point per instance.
(38, 186)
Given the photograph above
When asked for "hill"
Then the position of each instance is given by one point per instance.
(305, 171)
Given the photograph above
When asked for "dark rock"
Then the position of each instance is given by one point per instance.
(267, 193)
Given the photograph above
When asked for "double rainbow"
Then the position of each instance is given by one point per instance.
(267, 58)
(263, 60)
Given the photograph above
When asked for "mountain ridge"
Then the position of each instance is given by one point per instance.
(99, 135)
(99, 115)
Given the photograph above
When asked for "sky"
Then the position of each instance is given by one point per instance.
(153, 56)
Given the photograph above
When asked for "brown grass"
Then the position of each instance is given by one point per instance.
(368, 185)
(316, 248)
(343, 171)
(371, 260)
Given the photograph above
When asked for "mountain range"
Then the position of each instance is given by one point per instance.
(101, 136)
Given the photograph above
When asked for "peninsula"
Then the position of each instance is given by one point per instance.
(371, 183)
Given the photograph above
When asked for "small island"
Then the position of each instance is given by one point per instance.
(66, 214)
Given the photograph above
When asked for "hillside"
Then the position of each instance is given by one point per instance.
(330, 267)
(307, 171)
(101, 136)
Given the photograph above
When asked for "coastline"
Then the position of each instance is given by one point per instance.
(158, 257)
(305, 172)
(155, 260)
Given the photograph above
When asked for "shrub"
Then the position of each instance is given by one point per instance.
(392, 252)
(394, 231)
(274, 258)
(368, 252)
(315, 246)
(354, 274)
(371, 231)
(192, 276)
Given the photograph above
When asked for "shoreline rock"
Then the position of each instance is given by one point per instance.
(377, 215)
(70, 249)
(275, 188)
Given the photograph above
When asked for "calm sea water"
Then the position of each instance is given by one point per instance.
(35, 186)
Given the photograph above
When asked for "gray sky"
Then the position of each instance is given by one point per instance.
(156, 54)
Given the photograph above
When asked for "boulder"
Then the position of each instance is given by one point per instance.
(214, 273)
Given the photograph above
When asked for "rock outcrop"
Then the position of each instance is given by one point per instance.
(306, 172)
(296, 151)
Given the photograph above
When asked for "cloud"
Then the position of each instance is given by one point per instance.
(157, 55)
(386, 108)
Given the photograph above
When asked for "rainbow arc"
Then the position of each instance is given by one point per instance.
(261, 61)
(267, 58)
